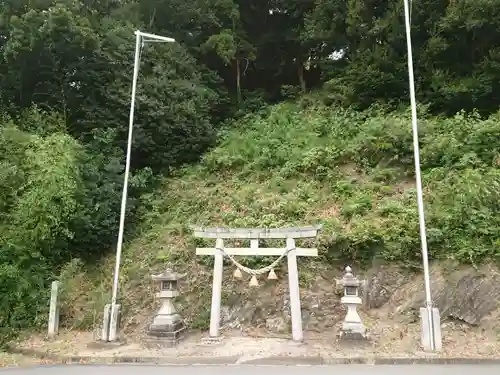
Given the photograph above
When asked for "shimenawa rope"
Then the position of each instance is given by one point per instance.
(259, 271)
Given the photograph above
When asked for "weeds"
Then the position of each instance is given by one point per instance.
(350, 171)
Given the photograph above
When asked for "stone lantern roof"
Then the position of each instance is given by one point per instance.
(168, 275)
(349, 279)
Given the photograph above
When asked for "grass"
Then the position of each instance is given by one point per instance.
(289, 166)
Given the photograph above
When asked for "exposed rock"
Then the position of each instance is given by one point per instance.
(470, 298)
(382, 282)
(230, 317)
(464, 294)
(461, 294)
(269, 306)
(277, 325)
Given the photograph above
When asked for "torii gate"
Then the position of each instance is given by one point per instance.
(254, 235)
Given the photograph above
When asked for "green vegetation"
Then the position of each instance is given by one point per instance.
(350, 171)
(246, 121)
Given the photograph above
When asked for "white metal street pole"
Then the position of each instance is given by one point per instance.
(420, 199)
(111, 320)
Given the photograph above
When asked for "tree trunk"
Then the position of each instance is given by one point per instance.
(152, 18)
(238, 81)
(300, 72)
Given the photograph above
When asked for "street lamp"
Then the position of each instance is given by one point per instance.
(111, 311)
(429, 316)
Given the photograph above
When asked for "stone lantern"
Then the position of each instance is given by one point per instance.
(352, 326)
(167, 325)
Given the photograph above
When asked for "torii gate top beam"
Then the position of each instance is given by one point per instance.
(257, 233)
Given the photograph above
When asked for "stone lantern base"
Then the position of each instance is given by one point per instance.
(166, 329)
(353, 331)
(162, 342)
(164, 336)
(353, 335)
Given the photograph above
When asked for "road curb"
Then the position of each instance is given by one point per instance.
(172, 361)
(410, 361)
(316, 360)
(72, 359)
(437, 361)
(237, 360)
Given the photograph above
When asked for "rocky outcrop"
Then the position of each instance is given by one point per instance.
(465, 294)
(461, 293)
(268, 306)
(382, 282)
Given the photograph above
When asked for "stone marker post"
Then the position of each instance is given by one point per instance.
(167, 325)
(352, 326)
(54, 310)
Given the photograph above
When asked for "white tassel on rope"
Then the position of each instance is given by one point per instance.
(272, 275)
(237, 273)
(254, 281)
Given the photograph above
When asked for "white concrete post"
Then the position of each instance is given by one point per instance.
(105, 322)
(54, 310)
(427, 326)
(110, 323)
(114, 322)
(216, 289)
(293, 281)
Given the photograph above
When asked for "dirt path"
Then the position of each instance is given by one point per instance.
(386, 341)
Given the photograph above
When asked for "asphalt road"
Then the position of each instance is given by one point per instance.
(257, 369)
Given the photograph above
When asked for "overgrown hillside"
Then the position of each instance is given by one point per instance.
(65, 78)
(306, 164)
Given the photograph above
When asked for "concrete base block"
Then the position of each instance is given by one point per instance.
(110, 324)
(114, 323)
(353, 336)
(209, 341)
(105, 323)
(425, 325)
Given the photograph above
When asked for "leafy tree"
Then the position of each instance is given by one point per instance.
(64, 60)
(59, 199)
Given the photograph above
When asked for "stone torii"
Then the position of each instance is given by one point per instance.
(254, 235)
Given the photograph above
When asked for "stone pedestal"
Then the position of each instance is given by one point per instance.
(352, 326)
(167, 327)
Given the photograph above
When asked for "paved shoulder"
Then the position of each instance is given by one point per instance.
(257, 369)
